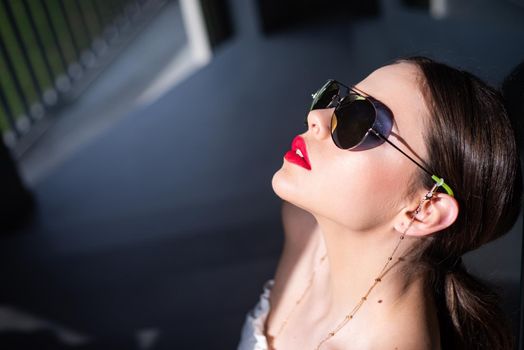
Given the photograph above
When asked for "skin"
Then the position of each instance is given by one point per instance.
(352, 206)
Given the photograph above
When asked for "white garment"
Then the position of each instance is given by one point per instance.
(252, 336)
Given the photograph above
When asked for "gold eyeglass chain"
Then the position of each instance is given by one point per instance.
(377, 280)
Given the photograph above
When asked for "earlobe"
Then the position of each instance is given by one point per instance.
(436, 214)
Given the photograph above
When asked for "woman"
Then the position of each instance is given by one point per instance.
(393, 181)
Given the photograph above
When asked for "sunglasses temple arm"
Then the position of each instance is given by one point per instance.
(435, 178)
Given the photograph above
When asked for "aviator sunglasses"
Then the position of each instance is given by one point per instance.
(359, 121)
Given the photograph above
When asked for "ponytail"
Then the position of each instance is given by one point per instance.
(470, 140)
(474, 318)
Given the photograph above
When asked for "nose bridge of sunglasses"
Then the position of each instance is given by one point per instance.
(335, 101)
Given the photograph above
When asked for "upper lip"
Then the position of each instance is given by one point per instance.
(300, 144)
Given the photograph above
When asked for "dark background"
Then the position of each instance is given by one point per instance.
(159, 232)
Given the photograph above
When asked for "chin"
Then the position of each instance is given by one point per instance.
(285, 187)
(276, 183)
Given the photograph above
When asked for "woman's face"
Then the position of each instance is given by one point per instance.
(360, 190)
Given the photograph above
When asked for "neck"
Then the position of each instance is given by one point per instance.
(356, 259)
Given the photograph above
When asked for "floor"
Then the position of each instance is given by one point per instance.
(158, 231)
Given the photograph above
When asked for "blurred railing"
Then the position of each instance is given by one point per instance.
(48, 48)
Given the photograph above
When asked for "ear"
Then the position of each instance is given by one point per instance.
(436, 214)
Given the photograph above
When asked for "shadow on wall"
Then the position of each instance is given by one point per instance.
(277, 15)
(20, 330)
(513, 90)
(48, 340)
(17, 204)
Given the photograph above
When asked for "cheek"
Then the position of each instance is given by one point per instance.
(359, 195)
(358, 192)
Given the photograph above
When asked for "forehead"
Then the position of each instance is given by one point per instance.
(396, 85)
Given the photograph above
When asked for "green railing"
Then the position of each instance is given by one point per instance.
(48, 46)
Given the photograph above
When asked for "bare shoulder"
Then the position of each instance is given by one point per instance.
(406, 330)
(403, 339)
(402, 329)
(408, 322)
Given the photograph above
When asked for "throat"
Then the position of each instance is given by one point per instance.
(360, 268)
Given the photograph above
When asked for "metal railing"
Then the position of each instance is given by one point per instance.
(49, 47)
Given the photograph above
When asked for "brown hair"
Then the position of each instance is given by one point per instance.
(471, 144)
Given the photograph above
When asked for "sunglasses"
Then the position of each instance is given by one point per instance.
(359, 121)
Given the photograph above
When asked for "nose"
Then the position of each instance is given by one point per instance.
(319, 122)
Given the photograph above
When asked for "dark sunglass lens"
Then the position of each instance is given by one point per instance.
(351, 121)
(324, 96)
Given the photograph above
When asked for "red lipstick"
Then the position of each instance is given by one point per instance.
(298, 153)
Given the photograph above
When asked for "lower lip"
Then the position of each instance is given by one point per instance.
(294, 158)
